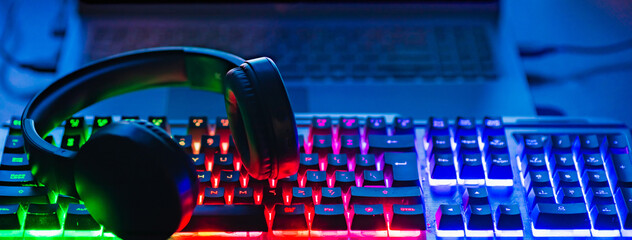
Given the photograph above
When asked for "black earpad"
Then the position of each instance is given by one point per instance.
(136, 181)
(261, 119)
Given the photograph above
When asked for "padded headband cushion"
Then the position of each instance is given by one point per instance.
(259, 110)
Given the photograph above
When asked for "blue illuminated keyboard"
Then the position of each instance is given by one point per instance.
(381, 176)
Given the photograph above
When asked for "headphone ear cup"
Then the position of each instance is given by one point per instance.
(136, 181)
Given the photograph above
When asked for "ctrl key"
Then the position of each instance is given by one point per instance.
(408, 217)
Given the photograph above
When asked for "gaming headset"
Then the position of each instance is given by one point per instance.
(133, 178)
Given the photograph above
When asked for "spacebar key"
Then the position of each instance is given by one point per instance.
(230, 218)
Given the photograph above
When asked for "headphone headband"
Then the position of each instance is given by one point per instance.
(173, 66)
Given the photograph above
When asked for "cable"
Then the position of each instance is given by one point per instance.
(539, 51)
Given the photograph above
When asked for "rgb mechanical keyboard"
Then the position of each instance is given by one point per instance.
(369, 176)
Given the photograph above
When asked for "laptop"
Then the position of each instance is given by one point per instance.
(414, 58)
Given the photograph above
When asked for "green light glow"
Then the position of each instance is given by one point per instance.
(11, 233)
(157, 121)
(43, 233)
(74, 122)
(74, 233)
(102, 122)
(71, 142)
(17, 122)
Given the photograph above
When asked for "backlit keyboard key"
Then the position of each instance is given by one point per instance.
(336, 162)
(595, 178)
(537, 179)
(316, 179)
(479, 217)
(243, 196)
(222, 128)
(570, 195)
(130, 118)
(475, 196)
(229, 218)
(197, 126)
(440, 144)
(290, 217)
(499, 167)
(329, 217)
(560, 216)
(364, 162)
(159, 121)
(589, 142)
(382, 195)
(617, 141)
(605, 217)
(373, 178)
(321, 126)
(10, 216)
(344, 180)
(564, 161)
(467, 143)
(17, 194)
(184, 141)
(599, 195)
(399, 143)
(214, 196)
(100, 122)
(302, 195)
(465, 126)
(408, 217)
(368, 217)
(76, 126)
(222, 162)
(322, 145)
(471, 166)
(308, 162)
(198, 161)
(331, 195)
(496, 144)
(376, 126)
(540, 195)
(404, 125)
(449, 218)
(229, 179)
(493, 126)
(508, 217)
(349, 126)
(210, 146)
(15, 125)
(590, 161)
(437, 126)
(566, 179)
(42, 217)
(8, 177)
(350, 145)
(442, 166)
(624, 204)
(78, 219)
(14, 144)
(534, 143)
(561, 142)
(623, 167)
(71, 142)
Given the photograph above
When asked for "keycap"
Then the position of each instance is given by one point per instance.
(436, 126)
(198, 161)
(408, 217)
(78, 218)
(9, 177)
(159, 121)
(534, 162)
(471, 166)
(402, 169)
(599, 195)
(331, 195)
(14, 144)
(308, 162)
(197, 126)
(376, 126)
(566, 179)
(228, 178)
(130, 118)
(322, 145)
(214, 196)
(368, 217)
(449, 217)
(344, 180)
(465, 126)
(349, 126)
(496, 144)
(42, 217)
(383, 195)
(616, 141)
(560, 216)
(336, 162)
(624, 204)
(350, 145)
(404, 125)
(492, 126)
(10, 216)
(184, 141)
(329, 217)
(18, 194)
(272, 196)
(440, 144)
(564, 161)
(290, 217)
(571, 195)
(442, 166)
(590, 161)
(588, 142)
(316, 179)
(100, 122)
(400, 143)
(508, 217)
(243, 196)
(230, 218)
(321, 126)
(364, 162)
(623, 168)
(71, 142)
(76, 126)
(204, 179)
(289, 182)
(222, 129)
(373, 178)
(479, 217)
(302, 195)
(540, 195)
(222, 162)
(534, 142)
(561, 142)
(537, 179)
(595, 178)
(15, 125)
(467, 143)
(475, 196)
(605, 217)
(499, 167)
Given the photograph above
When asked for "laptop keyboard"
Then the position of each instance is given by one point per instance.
(320, 52)
(369, 176)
